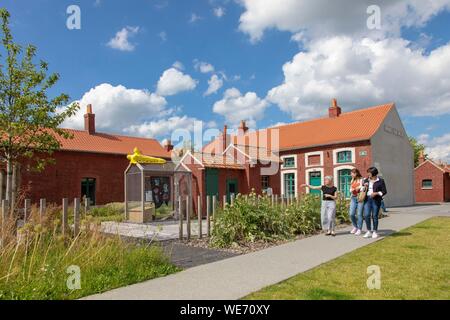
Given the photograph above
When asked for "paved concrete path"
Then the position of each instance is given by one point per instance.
(239, 276)
(159, 231)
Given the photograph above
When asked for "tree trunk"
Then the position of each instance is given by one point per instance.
(9, 180)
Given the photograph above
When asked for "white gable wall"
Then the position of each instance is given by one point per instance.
(393, 156)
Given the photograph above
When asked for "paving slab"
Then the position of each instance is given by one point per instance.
(239, 276)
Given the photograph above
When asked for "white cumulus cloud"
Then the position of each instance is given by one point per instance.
(203, 67)
(117, 108)
(437, 148)
(121, 39)
(235, 107)
(219, 12)
(162, 127)
(364, 71)
(173, 81)
(214, 84)
(329, 18)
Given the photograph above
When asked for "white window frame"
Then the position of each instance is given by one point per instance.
(307, 171)
(295, 181)
(336, 151)
(314, 153)
(289, 156)
(336, 173)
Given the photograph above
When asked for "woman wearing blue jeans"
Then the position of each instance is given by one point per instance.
(356, 208)
(376, 189)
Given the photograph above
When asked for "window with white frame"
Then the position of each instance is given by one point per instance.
(344, 155)
(289, 162)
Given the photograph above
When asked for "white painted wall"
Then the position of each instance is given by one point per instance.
(392, 154)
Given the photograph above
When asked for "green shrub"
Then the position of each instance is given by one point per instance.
(254, 218)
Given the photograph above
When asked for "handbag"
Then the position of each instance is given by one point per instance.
(362, 194)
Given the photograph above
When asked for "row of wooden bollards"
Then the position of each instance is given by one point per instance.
(6, 213)
(211, 209)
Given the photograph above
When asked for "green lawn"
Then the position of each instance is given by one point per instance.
(414, 263)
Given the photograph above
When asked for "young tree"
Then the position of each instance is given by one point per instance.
(418, 149)
(29, 119)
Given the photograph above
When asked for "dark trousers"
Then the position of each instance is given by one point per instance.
(371, 210)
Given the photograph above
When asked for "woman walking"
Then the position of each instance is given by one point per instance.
(376, 190)
(328, 210)
(356, 207)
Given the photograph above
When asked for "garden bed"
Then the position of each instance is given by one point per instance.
(254, 223)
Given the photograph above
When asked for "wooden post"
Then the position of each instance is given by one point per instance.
(2, 179)
(273, 200)
(188, 217)
(180, 216)
(224, 201)
(42, 207)
(76, 216)
(214, 208)
(87, 205)
(208, 216)
(12, 203)
(5, 214)
(276, 200)
(65, 216)
(199, 207)
(232, 199)
(26, 210)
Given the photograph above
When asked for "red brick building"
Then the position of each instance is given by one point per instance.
(432, 181)
(287, 156)
(91, 164)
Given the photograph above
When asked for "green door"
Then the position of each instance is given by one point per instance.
(289, 184)
(315, 179)
(88, 189)
(232, 188)
(212, 182)
(345, 179)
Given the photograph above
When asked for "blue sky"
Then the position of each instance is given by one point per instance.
(326, 49)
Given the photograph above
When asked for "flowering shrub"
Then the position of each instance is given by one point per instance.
(255, 218)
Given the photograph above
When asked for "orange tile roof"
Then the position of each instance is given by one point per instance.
(216, 161)
(358, 125)
(109, 143)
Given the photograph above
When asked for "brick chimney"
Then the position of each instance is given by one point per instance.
(89, 120)
(334, 110)
(168, 146)
(224, 137)
(421, 157)
(242, 128)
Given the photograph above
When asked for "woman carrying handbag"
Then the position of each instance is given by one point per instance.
(356, 201)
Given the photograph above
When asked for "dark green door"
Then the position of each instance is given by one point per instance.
(232, 188)
(289, 184)
(88, 189)
(212, 182)
(345, 179)
(315, 179)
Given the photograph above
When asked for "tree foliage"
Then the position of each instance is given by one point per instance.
(418, 149)
(29, 119)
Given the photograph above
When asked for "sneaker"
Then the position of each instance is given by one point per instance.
(374, 235)
(333, 234)
(368, 234)
(358, 232)
(328, 233)
(353, 230)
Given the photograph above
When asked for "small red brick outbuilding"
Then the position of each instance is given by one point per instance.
(432, 181)
(92, 164)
